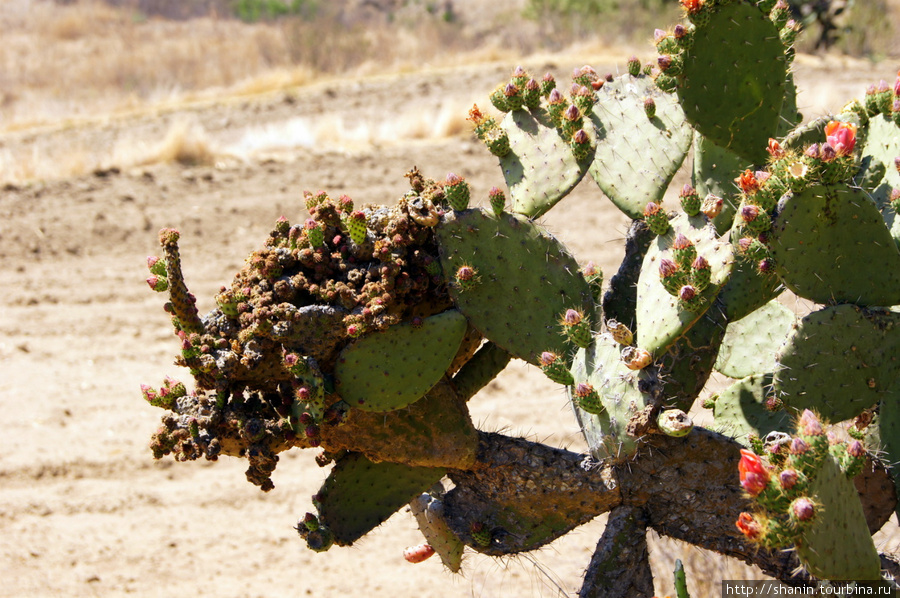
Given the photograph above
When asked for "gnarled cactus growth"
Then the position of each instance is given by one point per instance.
(364, 330)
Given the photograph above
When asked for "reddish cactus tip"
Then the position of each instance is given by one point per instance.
(168, 237)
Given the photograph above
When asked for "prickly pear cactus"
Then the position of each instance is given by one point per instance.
(364, 330)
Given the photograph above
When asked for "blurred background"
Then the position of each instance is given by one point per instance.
(67, 59)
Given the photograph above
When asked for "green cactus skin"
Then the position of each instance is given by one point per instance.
(715, 169)
(660, 317)
(831, 245)
(886, 434)
(520, 264)
(681, 590)
(428, 511)
(637, 157)
(733, 84)
(838, 544)
(601, 366)
(839, 360)
(748, 288)
(751, 343)
(359, 495)
(540, 168)
(741, 410)
(478, 372)
(882, 144)
(391, 369)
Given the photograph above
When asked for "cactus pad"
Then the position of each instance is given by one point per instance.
(741, 409)
(391, 369)
(838, 545)
(636, 156)
(882, 144)
(601, 366)
(831, 245)
(527, 280)
(751, 343)
(661, 319)
(540, 168)
(360, 495)
(733, 80)
(839, 361)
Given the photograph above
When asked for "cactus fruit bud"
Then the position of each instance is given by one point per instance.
(755, 219)
(587, 398)
(531, 94)
(700, 273)
(799, 447)
(749, 526)
(159, 284)
(497, 199)
(670, 276)
(803, 510)
(315, 233)
(788, 478)
(753, 472)
(594, 277)
(620, 332)
(581, 145)
(481, 535)
(356, 225)
(418, 554)
(577, 328)
(548, 84)
(656, 218)
(809, 424)
(514, 99)
(456, 190)
(650, 107)
(156, 265)
(498, 99)
(684, 251)
(466, 278)
(636, 358)
(634, 66)
(555, 368)
(690, 200)
(675, 423)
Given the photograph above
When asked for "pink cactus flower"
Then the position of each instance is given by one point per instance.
(754, 475)
(841, 136)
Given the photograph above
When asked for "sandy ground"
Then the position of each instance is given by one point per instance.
(84, 509)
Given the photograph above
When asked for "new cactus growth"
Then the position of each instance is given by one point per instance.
(366, 329)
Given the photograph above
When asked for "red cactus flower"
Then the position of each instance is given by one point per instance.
(749, 526)
(692, 6)
(747, 182)
(775, 150)
(754, 475)
(841, 136)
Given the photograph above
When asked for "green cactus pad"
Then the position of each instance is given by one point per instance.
(601, 366)
(527, 280)
(478, 372)
(733, 82)
(428, 512)
(882, 143)
(540, 168)
(715, 169)
(660, 319)
(831, 245)
(838, 545)
(741, 410)
(687, 364)
(636, 156)
(747, 288)
(751, 343)
(360, 495)
(886, 434)
(839, 361)
(391, 369)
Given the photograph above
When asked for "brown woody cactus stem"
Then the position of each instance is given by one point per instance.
(184, 305)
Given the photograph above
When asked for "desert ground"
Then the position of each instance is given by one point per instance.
(84, 509)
